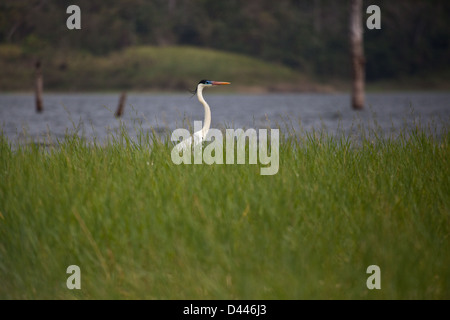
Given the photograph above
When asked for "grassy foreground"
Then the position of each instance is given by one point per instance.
(140, 227)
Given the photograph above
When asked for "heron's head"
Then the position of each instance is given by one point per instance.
(208, 83)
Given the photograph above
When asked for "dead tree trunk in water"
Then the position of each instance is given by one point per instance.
(357, 54)
(39, 87)
(121, 106)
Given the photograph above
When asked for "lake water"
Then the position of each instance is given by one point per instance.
(93, 114)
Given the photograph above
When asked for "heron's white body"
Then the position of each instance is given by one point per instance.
(199, 136)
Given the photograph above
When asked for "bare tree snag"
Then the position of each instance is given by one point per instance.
(357, 54)
(121, 105)
(39, 87)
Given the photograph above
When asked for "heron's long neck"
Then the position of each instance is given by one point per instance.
(207, 122)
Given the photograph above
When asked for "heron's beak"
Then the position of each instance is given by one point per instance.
(217, 83)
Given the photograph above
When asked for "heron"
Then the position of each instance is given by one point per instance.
(200, 135)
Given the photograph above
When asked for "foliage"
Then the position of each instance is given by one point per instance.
(146, 68)
(310, 36)
(139, 226)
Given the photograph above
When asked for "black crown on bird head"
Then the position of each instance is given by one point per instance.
(204, 81)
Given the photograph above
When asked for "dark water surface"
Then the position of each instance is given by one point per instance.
(93, 114)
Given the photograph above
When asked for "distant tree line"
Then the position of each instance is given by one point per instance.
(308, 35)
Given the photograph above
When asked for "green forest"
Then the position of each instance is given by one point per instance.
(307, 36)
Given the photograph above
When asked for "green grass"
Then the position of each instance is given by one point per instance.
(140, 227)
(144, 68)
(176, 68)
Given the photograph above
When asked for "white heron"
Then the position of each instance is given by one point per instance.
(200, 135)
